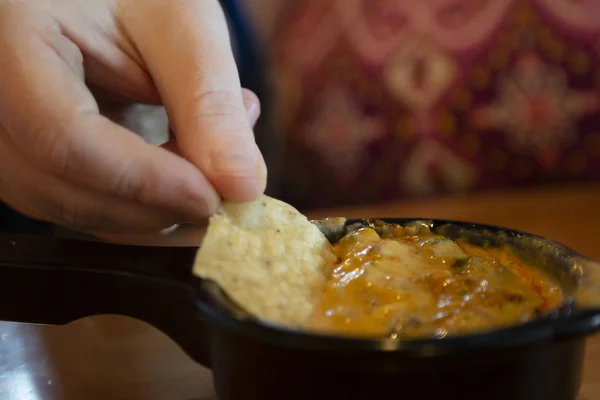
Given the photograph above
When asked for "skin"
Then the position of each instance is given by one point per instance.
(62, 161)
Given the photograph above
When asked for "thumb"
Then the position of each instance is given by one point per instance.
(252, 106)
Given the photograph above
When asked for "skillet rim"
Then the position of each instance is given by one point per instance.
(563, 322)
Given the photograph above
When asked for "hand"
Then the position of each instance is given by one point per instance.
(62, 162)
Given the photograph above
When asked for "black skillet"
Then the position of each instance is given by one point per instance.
(55, 281)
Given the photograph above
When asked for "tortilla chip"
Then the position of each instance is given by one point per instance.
(268, 258)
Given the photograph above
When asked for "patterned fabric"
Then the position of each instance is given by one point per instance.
(387, 99)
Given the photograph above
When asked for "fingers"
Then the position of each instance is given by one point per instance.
(112, 64)
(48, 198)
(188, 53)
(52, 119)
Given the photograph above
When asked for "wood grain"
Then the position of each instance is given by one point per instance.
(112, 357)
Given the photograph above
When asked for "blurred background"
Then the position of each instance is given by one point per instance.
(376, 100)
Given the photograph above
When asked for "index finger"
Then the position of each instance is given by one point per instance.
(188, 53)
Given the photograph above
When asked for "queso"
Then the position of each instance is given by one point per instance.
(407, 282)
(380, 280)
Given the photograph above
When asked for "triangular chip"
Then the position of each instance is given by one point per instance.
(268, 258)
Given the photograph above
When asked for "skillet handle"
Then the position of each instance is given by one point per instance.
(583, 316)
(47, 280)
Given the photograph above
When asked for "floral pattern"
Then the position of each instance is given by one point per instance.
(403, 98)
(536, 109)
(419, 74)
(433, 168)
(340, 131)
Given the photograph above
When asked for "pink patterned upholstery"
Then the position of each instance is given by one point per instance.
(385, 99)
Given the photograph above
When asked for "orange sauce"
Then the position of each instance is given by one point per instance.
(413, 284)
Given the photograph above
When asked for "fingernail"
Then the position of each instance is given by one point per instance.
(262, 170)
(252, 110)
(169, 230)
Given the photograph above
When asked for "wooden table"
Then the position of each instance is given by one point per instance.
(112, 357)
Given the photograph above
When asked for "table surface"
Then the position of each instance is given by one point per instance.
(112, 357)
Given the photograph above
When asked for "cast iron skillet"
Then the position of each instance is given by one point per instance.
(55, 281)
